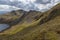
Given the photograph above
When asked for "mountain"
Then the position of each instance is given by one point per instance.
(32, 25)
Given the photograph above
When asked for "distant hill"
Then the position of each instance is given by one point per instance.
(32, 25)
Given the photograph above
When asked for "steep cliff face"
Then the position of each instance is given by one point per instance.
(33, 25)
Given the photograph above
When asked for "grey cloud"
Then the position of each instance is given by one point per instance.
(30, 6)
(41, 2)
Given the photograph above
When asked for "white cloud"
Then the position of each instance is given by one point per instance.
(45, 1)
(28, 5)
(45, 7)
(27, 1)
(23, 1)
(7, 8)
(41, 7)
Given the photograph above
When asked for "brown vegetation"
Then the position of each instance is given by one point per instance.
(35, 25)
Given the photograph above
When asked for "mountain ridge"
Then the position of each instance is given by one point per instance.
(35, 26)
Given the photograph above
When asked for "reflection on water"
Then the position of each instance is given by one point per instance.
(3, 27)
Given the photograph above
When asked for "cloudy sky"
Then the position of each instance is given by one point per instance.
(39, 5)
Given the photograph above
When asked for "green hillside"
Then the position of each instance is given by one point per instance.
(32, 25)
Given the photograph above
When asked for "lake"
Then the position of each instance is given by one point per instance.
(3, 27)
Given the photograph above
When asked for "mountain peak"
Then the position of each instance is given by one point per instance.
(32, 25)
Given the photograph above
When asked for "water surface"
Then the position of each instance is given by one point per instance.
(3, 27)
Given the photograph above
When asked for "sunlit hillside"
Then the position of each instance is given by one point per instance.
(32, 25)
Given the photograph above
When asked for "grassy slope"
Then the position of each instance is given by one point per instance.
(46, 27)
(20, 26)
